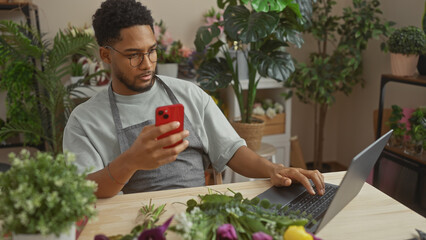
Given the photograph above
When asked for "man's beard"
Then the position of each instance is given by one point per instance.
(128, 83)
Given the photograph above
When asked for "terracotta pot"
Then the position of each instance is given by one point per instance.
(251, 132)
(403, 65)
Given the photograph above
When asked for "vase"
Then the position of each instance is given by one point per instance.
(413, 147)
(167, 69)
(403, 65)
(70, 235)
(251, 132)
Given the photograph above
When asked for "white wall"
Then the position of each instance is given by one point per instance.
(349, 124)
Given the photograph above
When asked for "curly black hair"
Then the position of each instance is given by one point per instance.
(114, 15)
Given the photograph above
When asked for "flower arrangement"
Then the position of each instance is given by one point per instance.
(44, 194)
(268, 107)
(169, 50)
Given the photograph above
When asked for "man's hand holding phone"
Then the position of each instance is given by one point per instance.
(158, 145)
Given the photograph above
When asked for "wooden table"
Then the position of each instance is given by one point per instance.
(370, 215)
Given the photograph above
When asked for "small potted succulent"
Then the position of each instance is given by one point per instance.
(399, 128)
(417, 133)
(42, 196)
(405, 45)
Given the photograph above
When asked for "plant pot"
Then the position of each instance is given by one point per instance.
(167, 69)
(251, 132)
(70, 235)
(396, 141)
(421, 65)
(414, 148)
(75, 79)
(403, 65)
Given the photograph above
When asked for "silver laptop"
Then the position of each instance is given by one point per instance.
(323, 208)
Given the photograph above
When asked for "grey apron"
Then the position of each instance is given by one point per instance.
(186, 171)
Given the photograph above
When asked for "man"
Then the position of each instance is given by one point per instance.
(114, 132)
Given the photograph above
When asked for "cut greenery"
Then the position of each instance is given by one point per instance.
(202, 218)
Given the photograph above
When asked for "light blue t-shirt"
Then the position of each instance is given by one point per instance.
(90, 132)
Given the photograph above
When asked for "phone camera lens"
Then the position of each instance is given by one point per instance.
(160, 112)
(166, 116)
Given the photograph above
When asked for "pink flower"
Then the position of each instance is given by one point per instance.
(185, 52)
(226, 232)
(157, 31)
(261, 236)
(167, 39)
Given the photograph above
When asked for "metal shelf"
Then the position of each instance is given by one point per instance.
(417, 164)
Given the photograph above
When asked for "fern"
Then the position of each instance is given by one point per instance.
(51, 62)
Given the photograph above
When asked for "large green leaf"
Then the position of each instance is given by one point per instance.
(214, 74)
(241, 24)
(205, 36)
(277, 64)
(270, 5)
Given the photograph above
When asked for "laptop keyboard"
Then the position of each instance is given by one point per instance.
(313, 205)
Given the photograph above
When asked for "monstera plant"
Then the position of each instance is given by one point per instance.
(260, 30)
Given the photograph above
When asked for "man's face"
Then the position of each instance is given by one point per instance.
(135, 42)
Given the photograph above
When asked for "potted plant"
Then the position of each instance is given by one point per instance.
(47, 101)
(421, 65)
(336, 69)
(44, 195)
(168, 51)
(417, 133)
(405, 45)
(399, 128)
(260, 34)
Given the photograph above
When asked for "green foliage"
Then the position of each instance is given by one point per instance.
(44, 194)
(202, 218)
(399, 129)
(407, 40)
(340, 69)
(39, 90)
(18, 80)
(417, 121)
(261, 35)
(76, 69)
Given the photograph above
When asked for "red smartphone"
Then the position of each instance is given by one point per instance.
(170, 113)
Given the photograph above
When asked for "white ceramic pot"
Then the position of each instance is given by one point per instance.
(64, 236)
(403, 65)
(75, 79)
(167, 69)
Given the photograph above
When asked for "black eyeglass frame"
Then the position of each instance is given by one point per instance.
(141, 55)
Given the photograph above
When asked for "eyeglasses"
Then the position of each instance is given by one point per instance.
(136, 59)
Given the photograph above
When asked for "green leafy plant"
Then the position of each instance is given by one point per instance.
(399, 128)
(261, 35)
(77, 69)
(202, 218)
(43, 100)
(417, 125)
(338, 69)
(43, 194)
(407, 40)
